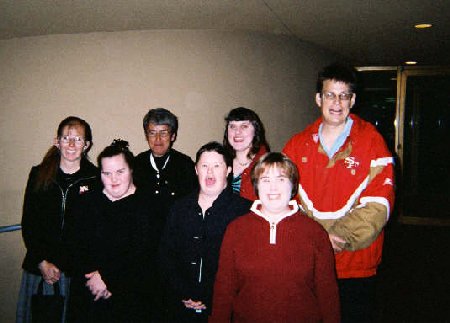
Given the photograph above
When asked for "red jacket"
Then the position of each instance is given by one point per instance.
(247, 190)
(351, 194)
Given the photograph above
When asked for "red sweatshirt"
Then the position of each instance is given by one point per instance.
(291, 279)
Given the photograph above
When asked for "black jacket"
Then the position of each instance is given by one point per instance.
(190, 245)
(47, 217)
(176, 180)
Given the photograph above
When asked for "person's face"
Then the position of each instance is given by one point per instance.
(212, 173)
(274, 190)
(116, 176)
(71, 143)
(159, 138)
(335, 102)
(240, 134)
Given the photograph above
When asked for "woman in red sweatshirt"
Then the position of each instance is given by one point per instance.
(276, 264)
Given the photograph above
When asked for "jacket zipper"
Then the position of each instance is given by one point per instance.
(273, 233)
(63, 205)
(64, 199)
(201, 257)
(200, 271)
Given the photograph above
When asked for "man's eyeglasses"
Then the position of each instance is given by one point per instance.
(77, 140)
(330, 96)
(161, 133)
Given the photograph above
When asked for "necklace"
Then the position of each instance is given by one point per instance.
(244, 164)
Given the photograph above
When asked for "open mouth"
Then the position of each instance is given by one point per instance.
(273, 196)
(209, 181)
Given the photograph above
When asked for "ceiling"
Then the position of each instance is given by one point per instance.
(367, 32)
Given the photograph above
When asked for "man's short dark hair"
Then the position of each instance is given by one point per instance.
(339, 73)
(160, 116)
(214, 146)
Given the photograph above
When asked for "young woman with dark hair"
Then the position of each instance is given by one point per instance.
(245, 139)
(54, 188)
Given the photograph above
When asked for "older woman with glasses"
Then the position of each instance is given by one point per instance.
(276, 264)
(163, 171)
(53, 190)
(245, 139)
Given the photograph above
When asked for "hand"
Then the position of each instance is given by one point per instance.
(97, 286)
(49, 271)
(106, 294)
(195, 305)
(337, 243)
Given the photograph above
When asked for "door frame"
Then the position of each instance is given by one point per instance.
(403, 73)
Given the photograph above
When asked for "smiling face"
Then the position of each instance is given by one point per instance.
(116, 177)
(212, 173)
(240, 134)
(71, 144)
(159, 138)
(335, 111)
(274, 190)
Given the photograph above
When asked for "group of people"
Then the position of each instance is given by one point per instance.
(239, 234)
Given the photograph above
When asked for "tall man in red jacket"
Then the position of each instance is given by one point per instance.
(346, 184)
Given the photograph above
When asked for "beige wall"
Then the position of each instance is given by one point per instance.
(11, 256)
(112, 79)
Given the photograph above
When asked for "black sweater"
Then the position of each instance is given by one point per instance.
(118, 239)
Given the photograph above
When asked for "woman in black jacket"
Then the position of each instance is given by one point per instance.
(54, 187)
(190, 245)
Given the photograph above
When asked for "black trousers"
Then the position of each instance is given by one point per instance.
(358, 299)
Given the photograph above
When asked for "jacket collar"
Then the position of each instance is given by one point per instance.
(256, 208)
(257, 205)
(221, 201)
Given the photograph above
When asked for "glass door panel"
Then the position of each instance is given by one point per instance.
(376, 100)
(425, 145)
(410, 107)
